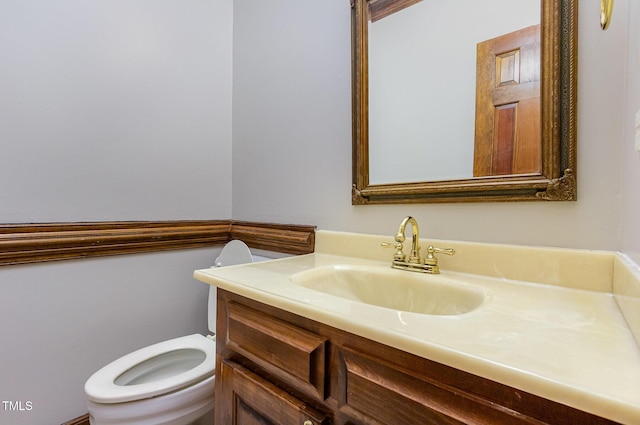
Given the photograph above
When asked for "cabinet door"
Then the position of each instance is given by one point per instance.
(247, 399)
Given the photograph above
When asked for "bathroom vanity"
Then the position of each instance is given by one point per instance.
(286, 369)
(543, 343)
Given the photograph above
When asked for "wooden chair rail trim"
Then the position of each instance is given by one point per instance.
(287, 238)
(41, 242)
(82, 420)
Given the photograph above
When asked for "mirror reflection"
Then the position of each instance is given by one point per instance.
(464, 100)
(454, 91)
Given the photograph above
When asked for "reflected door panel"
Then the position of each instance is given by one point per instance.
(507, 130)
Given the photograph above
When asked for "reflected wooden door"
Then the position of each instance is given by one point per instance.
(507, 130)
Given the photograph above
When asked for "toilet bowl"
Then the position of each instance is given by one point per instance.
(168, 383)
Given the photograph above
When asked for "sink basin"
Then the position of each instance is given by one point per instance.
(394, 289)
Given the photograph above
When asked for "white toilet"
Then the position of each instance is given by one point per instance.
(169, 383)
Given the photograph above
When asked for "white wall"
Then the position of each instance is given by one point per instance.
(112, 110)
(292, 112)
(109, 110)
(292, 134)
(630, 193)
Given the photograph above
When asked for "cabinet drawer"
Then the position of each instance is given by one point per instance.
(378, 390)
(249, 399)
(268, 341)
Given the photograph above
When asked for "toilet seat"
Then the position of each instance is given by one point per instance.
(192, 358)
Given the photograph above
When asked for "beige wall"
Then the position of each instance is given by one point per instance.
(292, 135)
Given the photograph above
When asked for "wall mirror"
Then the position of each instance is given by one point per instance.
(464, 100)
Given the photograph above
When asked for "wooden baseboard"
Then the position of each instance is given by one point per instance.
(82, 420)
(41, 242)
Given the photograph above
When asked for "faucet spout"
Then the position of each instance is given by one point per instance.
(414, 263)
(414, 257)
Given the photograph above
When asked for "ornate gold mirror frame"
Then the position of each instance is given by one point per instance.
(557, 179)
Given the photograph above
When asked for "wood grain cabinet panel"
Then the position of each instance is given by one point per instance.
(268, 341)
(381, 392)
(248, 399)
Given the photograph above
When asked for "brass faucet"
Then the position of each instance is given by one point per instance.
(427, 265)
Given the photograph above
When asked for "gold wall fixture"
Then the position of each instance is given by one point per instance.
(606, 7)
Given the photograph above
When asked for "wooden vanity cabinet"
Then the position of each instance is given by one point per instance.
(250, 399)
(275, 367)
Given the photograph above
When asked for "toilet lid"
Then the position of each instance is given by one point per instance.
(233, 253)
(154, 370)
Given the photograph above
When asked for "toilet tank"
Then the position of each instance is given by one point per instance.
(211, 312)
(233, 253)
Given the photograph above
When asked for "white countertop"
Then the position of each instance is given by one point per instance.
(572, 346)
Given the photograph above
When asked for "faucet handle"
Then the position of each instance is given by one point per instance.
(431, 259)
(399, 254)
